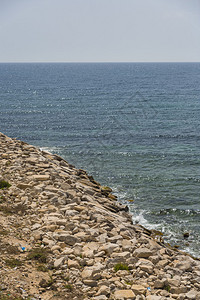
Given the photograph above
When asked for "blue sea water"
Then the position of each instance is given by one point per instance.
(133, 126)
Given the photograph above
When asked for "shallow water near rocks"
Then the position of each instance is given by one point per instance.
(134, 127)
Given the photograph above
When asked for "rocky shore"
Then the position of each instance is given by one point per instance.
(64, 236)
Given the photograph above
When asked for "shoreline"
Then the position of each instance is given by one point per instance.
(85, 233)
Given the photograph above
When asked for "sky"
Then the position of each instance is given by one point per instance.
(99, 30)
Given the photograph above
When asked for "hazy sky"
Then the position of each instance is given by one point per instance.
(99, 30)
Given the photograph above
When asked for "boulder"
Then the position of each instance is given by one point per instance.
(59, 262)
(143, 252)
(124, 294)
(138, 289)
(67, 238)
(73, 264)
(40, 177)
(192, 295)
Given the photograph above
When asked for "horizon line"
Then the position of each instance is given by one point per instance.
(92, 62)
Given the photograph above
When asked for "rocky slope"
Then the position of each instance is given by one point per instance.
(63, 236)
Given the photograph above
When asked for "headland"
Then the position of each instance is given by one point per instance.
(64, 236)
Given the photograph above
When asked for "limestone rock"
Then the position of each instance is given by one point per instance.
(124, 294)
(100, 297)
(92, 283)
(143, 252)
(73, 264)
(59, 262)
(104, 290)
(153, 297)
(192, 295)
(109, 248)
(41, 177)
(67, 238)
(138, 289)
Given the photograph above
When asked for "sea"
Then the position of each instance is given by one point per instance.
(134, 127)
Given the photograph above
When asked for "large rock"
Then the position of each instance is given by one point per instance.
(143, 252)
(138, 289)
(124, 294)
(192, 295)
(154, 297)
(178, 290)
(24, 186)
(93, 272)
(67, 238)
(121, 255)
(59, 262)
(86, 273)
(184, 265)
(109, 248)
(159, 283)
(73, 264)
(104, 290)
(100, 297)
(40, 177)
(88, 253)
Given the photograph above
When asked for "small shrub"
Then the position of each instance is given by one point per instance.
(2, 199)
(10, 297)
(7, 210)
(4, 184)
(121, 266)
(68, 286)
(4, 232)
(129, 282)
(8, 249)
(64, 277)
(39, 254)
(44, 283)
(20, 209)
(167, 288)
(42, 268)
(12, 263)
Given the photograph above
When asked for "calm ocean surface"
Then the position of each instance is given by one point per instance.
(134, 126)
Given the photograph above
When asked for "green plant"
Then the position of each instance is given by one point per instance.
(6, 248)
(10, 297)
(42, 268)
(7, 210)
(68, 286)
(129, 282)
(65, 278)
(167, 288)
(4, 232)
(106, 189)
(2, 199)
(121, 266)
(13, 262)
(44, 283)
(4, 184)
(39, 254)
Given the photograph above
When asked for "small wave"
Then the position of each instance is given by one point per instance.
(51, 149)
(172, 234)
(124, 153)
(177, 211)
(193, 179)
(175, 136)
